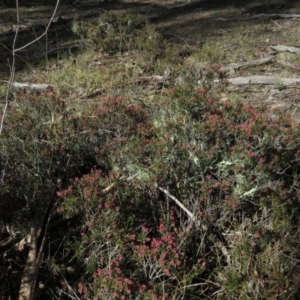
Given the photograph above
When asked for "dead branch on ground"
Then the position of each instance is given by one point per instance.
(251, 63)
(265, 80)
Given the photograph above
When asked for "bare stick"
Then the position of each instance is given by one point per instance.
(190, 214)
(44, 33)
(12, 70)
(13, 65)
(39, 255)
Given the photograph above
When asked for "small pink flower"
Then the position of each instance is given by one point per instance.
(144, 229)
(250, 154)
(201, 91)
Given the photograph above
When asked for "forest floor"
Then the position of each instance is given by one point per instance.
(223, 32)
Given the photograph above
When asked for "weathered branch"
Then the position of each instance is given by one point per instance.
(44, 33)
(33, 87)
(30, 270)
(284, 16)
(282, 48)
(189, 213)
(251, 63)
(266, 80)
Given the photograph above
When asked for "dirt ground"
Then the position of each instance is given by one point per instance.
(179, 21)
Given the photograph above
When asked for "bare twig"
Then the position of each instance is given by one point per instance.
(251, 63)
(190, 214)
(283, 48)
(72, 293)
(44, 33)
(12, 69)
(29, 278)
(13, 64)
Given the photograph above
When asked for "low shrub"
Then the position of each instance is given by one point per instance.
(229, 164)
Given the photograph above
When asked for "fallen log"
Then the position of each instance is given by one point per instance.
(282, 48)
(32, 87)
(31, 269)
(29, 87)
(284, 16)
(266, 80)
(251, 63)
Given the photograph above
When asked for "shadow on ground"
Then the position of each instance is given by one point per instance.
(179, 22)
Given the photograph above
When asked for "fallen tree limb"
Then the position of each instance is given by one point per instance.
(251, 63)
(266, 80)
(30, 270)
(282, 48)
(33, 87)
(93, 94)
(43, 234)
(284, 16)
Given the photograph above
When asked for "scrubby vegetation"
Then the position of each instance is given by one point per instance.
(114, 167)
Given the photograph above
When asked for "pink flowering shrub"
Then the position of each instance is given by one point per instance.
(120, 164)
(229, 163)
(134, 248)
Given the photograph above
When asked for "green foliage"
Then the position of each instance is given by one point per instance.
(229, 163)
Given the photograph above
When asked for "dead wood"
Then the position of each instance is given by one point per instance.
(251, 63)
(24, 243)
(93, 94)
(284, 16)
(259, 16)
(153, 82)
(188, 212)
(30, 270)
(282, 48)
(266, 80)
(18, 247)
(33, 87)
